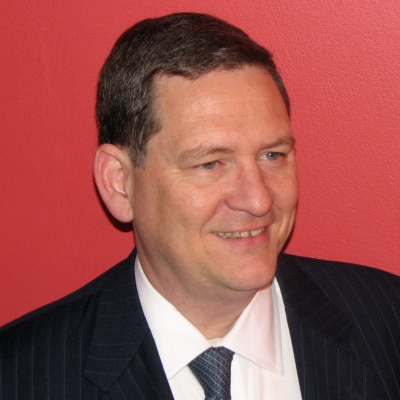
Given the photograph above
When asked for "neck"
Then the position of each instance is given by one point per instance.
(209, 306)
(213, 312)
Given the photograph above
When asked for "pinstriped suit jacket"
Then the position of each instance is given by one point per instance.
(344, 322)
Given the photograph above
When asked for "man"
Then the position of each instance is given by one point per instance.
(197, 151)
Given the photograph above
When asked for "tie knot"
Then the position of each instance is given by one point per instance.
(213, 370)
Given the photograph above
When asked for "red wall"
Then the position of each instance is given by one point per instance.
(341, 63)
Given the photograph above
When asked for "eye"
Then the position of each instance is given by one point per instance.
(273, 155)
(209, 165)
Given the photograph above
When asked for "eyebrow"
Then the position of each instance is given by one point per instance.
(287, 140)
(205, 149)
(202, 150)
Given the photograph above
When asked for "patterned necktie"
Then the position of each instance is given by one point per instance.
(213, 370)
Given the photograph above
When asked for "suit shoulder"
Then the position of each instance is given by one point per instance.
(352, 306)
(339, 269)
(55, 341)
(78, 298)
(347, 285)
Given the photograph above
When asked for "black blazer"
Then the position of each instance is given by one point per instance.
(95, 343)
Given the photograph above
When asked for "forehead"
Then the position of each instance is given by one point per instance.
(244, 100)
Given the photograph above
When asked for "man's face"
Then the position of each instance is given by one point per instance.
(216, 199)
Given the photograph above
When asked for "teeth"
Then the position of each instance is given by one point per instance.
(244, 234)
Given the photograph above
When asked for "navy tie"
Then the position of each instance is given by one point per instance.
(213, 370)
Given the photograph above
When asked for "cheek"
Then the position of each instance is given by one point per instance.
(289, 197)
(285, 191)
(170, 204)
(194, 200)
(147, 200)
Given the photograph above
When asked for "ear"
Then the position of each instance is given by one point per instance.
(113, 174)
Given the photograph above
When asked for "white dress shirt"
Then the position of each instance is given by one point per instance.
(263, 366)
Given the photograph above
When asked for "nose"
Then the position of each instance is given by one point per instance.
(249, 191)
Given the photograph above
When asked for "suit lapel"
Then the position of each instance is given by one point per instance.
(303, 298)
(144, 377)
(323, 338)
(123, 360)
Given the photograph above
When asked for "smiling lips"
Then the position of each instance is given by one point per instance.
(244, 234)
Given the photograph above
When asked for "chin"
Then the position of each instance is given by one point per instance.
(253, 276)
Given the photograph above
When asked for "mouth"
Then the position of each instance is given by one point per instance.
(241, 234)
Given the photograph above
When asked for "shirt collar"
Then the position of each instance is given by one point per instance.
(255, 335)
